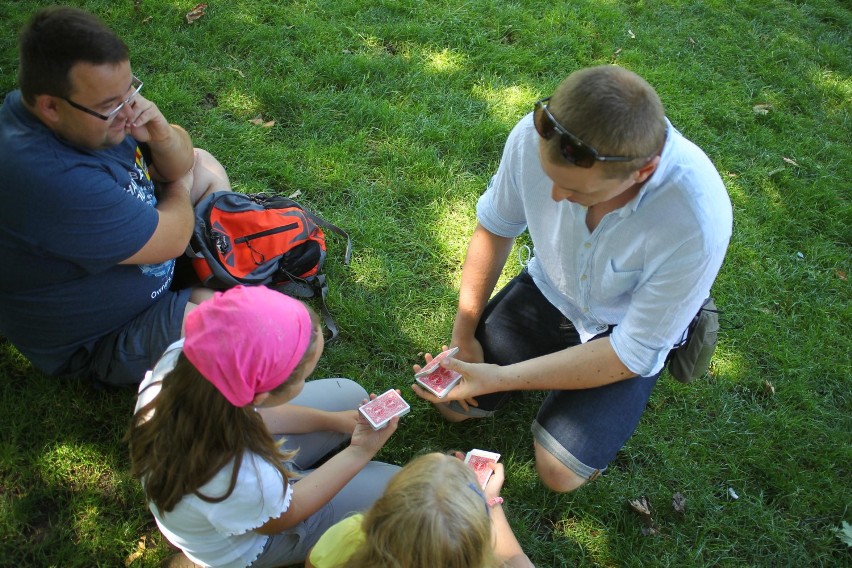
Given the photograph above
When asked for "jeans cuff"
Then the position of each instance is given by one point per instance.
(552, 445)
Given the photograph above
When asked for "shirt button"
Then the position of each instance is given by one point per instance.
(588, 245)
(584, 277)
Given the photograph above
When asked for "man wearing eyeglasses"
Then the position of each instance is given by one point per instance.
(98, 192)
(630, 222)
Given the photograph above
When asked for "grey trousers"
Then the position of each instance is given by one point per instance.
(292, 546)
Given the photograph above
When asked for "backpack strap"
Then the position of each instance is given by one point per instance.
(326, 315)
(315, 286)
(334, 228)
(689, 328)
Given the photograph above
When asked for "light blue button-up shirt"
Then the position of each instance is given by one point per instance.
(646, 267)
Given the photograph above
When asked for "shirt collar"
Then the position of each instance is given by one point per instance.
(656, 178)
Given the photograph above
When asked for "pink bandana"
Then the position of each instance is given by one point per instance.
(247, 340)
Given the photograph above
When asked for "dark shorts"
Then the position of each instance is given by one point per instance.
(123, 356)
(583, 429)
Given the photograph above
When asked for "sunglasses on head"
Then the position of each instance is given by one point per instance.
(573, 149)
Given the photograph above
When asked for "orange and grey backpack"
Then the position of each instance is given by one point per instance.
(262, 239)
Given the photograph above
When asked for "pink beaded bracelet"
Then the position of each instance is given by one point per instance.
(495, 501)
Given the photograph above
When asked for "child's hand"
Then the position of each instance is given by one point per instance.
(345, 421)
(370, 440)
(495, 484)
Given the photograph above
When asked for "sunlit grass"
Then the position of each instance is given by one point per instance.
(389, 120)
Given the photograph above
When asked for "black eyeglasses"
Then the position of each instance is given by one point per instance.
(573, 149)
(135, 84)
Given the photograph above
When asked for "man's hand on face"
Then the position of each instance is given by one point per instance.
(147, 123)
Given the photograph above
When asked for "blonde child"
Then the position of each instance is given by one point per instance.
(433, 513)
(203, 444)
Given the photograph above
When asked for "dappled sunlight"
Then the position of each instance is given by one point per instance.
(737, 192)
(14, 358)
(240, 103)
(589, 534)
(837, 92)
(454, 222)
(729, 365)
(368, 270)
(445, 61)
(507, 104)
(87, 520)
(388, 119)
(77, 465)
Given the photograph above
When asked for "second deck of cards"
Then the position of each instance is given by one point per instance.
(437, 379)
(479, 461)
(381, 409)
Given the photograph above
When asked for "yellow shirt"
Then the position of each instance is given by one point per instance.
(338, 543)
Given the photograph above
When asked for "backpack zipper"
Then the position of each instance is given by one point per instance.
(265, 233)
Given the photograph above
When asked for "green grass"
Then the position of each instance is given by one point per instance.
(389, 119)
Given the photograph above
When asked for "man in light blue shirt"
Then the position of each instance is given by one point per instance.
(630, 222)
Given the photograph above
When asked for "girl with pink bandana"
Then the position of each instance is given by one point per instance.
(205, 442)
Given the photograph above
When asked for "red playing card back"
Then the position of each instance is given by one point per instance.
(381, 409)
(440, 381)
(478, 460)
(435, 362)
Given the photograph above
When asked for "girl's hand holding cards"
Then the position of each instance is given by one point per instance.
(368, 437)
(381, 409)
(481, 462)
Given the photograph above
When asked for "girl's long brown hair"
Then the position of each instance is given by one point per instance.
(190, 431)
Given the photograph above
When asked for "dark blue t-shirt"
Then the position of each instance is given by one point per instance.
(68, 216)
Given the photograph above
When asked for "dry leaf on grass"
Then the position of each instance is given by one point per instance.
(631, 34)
(768, 388)
(840, 274)
(141, 546)
(258, 121)
(678, 502)
(761, 108)
(643, 509)
(196, 12)
(790, 161)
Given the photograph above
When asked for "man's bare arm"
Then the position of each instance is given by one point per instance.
(172, 154)
(486, 256)
(589, 365)
(175, 224)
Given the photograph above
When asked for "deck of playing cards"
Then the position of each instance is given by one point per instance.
(437, 379)
(381, 409)
(478, 460)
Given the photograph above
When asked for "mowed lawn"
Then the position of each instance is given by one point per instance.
(388, 118)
